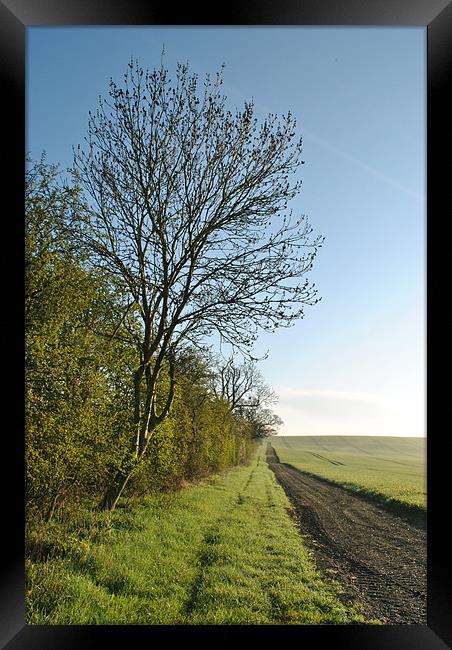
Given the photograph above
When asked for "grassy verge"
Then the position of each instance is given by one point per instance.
(225, 552)
(390, 470)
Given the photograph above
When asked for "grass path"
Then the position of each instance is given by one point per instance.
(225, 552)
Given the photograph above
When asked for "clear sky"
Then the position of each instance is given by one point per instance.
(356, 363)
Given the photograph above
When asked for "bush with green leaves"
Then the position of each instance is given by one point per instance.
(79, 361)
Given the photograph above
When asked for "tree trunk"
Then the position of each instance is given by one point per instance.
(139, 445)
(122, 476)
(137, 408)
(115, 490)
(52, 506)
(145, 423)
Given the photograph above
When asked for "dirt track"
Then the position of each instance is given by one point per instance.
(378, 558)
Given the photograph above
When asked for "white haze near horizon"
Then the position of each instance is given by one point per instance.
(319, 412)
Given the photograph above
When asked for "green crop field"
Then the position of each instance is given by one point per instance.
(392, 468)
(224, 552)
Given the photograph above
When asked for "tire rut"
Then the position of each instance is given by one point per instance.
(378, 558)
(207, 554)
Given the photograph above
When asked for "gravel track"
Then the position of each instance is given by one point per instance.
(379, 558)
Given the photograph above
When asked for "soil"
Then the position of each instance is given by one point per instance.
(378, 557)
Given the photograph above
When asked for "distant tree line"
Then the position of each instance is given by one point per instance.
(172, 228)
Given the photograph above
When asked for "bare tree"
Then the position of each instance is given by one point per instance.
(264, 422)
(188, 213)
(242, 386)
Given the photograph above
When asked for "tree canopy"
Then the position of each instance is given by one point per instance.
(179, 211)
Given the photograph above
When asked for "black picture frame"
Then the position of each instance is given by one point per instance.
(436, 16)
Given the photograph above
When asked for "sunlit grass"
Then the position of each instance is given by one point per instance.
(226, 552)
(392, 468)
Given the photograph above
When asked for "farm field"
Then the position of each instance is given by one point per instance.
(378, 556)
(390, 468)
(224, 552)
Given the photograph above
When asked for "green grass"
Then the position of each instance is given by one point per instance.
(390, 468)
(225, 552)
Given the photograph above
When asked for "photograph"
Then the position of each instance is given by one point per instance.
(225, 325)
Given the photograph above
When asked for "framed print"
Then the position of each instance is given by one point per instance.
(54, 57)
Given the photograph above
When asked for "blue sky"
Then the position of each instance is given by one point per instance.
(356, 363)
